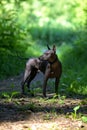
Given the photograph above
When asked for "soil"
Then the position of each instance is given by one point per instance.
(24, 112)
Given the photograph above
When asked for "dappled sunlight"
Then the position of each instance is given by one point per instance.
(25, 6)
(9, 6)
(26, 27)
(63, 22)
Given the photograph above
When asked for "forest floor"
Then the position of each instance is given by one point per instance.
(36, 113)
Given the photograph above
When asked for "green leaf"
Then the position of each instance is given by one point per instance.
(84, 119)
(15, 93)
(5, 95)
(76, 108)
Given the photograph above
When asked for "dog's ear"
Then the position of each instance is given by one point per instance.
(48, 47)
(54, 48)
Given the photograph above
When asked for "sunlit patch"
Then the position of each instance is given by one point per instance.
(9, 6)
(25, 6)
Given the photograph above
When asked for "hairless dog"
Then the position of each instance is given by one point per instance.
(49, 64)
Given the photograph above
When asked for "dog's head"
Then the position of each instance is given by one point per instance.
(50, 54)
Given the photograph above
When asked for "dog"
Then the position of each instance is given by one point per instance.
(48, 64)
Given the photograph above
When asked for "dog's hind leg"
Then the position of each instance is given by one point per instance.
(31, 77)
(25, 80)
(23, 86)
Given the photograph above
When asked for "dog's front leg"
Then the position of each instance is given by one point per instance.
(47, 73)
(44, 86)
(56, 85)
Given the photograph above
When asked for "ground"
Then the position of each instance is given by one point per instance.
(24, 112)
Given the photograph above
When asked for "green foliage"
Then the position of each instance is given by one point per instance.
(9, 96)
(74, 114)
(84, 119)
(50, 33)
(74, 68)
(11, 33)
(61, 99)
(47, 117)
(9, 65)
(12, 37)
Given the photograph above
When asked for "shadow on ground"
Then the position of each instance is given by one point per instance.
(20, 109)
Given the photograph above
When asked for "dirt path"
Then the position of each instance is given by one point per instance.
(15, 82)
(36, 113)
(59, 124)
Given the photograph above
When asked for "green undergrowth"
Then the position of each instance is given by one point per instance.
(73, 58)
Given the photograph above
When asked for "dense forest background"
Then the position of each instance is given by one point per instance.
(26, 26)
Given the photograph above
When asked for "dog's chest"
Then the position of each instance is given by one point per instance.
(53, 70)
(54, 67)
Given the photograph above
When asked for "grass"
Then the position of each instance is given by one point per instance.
(9, 96)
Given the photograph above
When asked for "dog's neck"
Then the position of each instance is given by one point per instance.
(52, 62)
